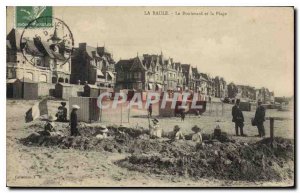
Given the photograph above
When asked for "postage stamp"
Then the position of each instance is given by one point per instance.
(25, 14)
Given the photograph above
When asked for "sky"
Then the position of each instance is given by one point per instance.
(250, 46)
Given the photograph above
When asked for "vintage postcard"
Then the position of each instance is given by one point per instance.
(150, 96)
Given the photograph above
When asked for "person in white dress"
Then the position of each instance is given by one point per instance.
(155, 130)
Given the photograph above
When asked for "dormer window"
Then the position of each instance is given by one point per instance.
(55, 48)
(38, 61)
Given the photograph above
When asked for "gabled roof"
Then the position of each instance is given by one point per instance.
(138, 60)
(13, 38)
(125, 64)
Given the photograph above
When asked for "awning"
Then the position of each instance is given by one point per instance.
(111, 74)
(99, 73)
(158, 85)
(150, 86)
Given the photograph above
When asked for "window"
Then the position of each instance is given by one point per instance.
(29, 75)
(139, 85)
(38, 62)
(43, 78)
(54, 79)
(137, 75)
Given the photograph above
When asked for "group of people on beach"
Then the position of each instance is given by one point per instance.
(61, 116)
(155, 129)
(258, 120)
(157, 132)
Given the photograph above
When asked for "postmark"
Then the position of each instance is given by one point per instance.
(54, 44)
(26, 14)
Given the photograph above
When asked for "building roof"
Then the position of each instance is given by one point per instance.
(185, 67)
(102, 50)
(125, 64)
(177, 65)
(13, 38)
(195, 70)
(64, 84)
(204, 76)
(111, 74)
(27, 80)
(147, 60)
(32, 49)
(8, 45)
(92, 86)
(11, 80)
(46, 46)
(40, 48)
(91, 52)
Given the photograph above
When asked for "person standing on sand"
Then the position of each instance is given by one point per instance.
(73, 121)
(260, 118)
(238, 118)
(182, 114)
(150, 110)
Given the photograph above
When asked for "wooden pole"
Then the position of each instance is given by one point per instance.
(100, 114)
(128, 114)
(272, 129)
(217, 109)
(121, 113)
(222, 108)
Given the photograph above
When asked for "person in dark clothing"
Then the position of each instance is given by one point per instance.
(260, 118)
(62, 112)
(150, 110)
(238, 118)
(182, 114)
(73, 121)
(65, 111)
